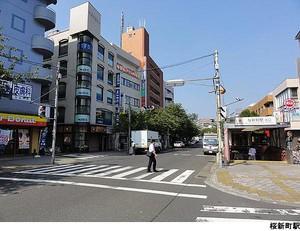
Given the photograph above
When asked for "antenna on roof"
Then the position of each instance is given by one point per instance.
(121, 28)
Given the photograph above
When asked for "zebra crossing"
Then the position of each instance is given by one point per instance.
(164, 176)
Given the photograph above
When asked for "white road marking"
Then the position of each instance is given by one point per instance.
(59, 168)
(77, 167)
(196, 196)
(203, 155)
(113, 171)
(183, 176)
(142, 176)
(46, 168)
(100, 170)
(121, 175)
(225, 209)
(88, 169)
(218, 219)
(164, 175)
(186, 154)
(87, 157)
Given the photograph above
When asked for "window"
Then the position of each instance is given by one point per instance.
(110, 78)
(18, 23)
(83, 105)
(84, 59)
(108, 117)
(130, 84)
(100, 72)
(99, 94)
(294, 92)
(83, 81)
(109, 97)
(63, 68)
(62, 90)
(103, 116)
(45, 93)
(100, 53)
(61, 114)
(110, 59)
(63, 47)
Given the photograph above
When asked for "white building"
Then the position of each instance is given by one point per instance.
(95, 74)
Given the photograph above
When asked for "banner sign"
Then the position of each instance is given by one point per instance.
(82, 118)
(127, 70)
(22, 120)
(84, 69)
(117, 97)
(118, 80)
(83, 92)
(264, 120)
(85, 47)
(43, 137)
(5, 136)
(21, 92)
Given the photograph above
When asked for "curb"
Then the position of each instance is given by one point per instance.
(213, 182)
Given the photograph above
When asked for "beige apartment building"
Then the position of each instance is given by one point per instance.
(98, 80)
(263, 107)
(136, 42)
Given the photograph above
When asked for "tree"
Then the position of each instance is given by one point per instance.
(8, 63)
(248, 113)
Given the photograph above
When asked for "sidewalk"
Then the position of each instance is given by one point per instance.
(270, 181)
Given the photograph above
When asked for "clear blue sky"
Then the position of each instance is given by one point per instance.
(255, 40)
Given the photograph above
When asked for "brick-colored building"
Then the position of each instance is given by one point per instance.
(136, 42)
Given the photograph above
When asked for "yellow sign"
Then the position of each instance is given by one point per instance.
(22, 120)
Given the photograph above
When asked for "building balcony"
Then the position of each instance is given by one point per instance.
(42, 75)
(42, 45)
(49, 2)
(45, 16)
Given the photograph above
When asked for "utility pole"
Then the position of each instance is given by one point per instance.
(58, 77)
(218, 99)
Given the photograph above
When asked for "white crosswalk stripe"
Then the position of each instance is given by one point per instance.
(182, 177)
(113, 171)
(48, 168)
(87, 169)
(101, 170)
(59, 168)
(77, 167)
(121, 175)
(164, 175)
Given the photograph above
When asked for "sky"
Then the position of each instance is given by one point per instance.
(255, 40)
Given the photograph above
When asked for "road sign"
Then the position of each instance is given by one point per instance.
(289, 103)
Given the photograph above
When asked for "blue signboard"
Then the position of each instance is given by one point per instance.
(43, 138)
(118, 80)
(117, 97)
(85, 47)
(82, 118)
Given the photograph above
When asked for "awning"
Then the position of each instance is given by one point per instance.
(251, 129)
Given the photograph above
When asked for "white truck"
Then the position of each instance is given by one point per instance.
(210, 143)
(142, 139)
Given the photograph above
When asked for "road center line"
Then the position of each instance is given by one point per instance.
(195, 196)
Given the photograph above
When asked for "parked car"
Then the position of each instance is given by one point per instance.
(178, 144)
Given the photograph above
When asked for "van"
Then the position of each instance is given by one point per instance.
(210, 143)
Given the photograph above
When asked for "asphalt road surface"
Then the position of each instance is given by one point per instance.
(118, 188)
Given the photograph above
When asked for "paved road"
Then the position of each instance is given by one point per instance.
(118, 188)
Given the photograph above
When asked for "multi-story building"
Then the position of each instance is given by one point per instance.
(263, 107)
(168, 95)
(95, 76)
(286, 103)
(24, 23)
(136, 42)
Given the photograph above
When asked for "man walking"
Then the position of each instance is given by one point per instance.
(152, 157)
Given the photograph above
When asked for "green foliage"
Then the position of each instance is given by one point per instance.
(172, 120)
(248, 113)
(8, 63)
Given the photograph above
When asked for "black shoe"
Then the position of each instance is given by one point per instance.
(155, 171)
